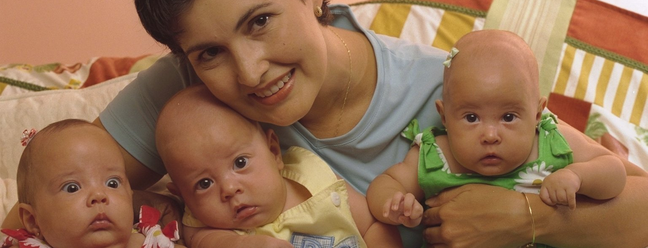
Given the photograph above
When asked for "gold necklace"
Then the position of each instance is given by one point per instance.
(346, 94)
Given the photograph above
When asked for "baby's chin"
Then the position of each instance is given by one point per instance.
(102, 238)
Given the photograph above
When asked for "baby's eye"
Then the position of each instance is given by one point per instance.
(71, 187)
(113, 183)
(508, 117)
(204, 183)
(240, 162)
(471, 118)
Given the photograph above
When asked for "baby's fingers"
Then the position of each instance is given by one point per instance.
(546, 197)
(397, 201)
(572, 201)
(412, 208)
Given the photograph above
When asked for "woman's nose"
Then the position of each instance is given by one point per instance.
(249, 62)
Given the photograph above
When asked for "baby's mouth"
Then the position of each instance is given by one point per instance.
(101, 221)
(276, 87)
(243, 212)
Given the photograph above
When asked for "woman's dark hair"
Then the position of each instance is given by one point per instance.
(161, 19)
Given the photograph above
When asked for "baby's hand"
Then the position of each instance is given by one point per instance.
(560, 187)
(404, 209)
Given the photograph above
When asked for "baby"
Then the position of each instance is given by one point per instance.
(235, 183)
(496, 133)
(73, 192)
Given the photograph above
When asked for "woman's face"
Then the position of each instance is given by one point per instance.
(267, 59)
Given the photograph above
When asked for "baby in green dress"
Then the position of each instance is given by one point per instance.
(495, 133)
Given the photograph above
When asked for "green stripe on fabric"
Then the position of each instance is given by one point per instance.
(603, 82)
(453, 26)
(390, 19)
(640, 101)
(607, 54)
(583, 79)
(622, 91)
(565, 70)
(444, 6)
(22, 84)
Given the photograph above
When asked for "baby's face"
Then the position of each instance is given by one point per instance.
(491, 113)
(82, 197)
(227, 174)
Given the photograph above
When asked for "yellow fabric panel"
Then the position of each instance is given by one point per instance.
(390, 19)
(604, 80)
(622, 91)
(640, 101)
(565, 70)
(2, 87)
(453, 26)
(583, 79)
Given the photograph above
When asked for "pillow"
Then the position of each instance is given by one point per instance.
(37, 110)
(588, 52)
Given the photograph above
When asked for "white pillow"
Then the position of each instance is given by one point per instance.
(37, 110)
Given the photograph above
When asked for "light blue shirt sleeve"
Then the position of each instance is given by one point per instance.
(131, 117)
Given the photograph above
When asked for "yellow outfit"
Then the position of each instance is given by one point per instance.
(323, 220)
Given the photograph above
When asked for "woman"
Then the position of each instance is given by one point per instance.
(344, 93)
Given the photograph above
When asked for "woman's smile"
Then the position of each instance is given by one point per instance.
(275, 92)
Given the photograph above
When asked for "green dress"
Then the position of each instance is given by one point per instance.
(434, 174)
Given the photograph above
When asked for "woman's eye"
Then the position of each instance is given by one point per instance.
(508, 117)
(204, 183)
(471, 118)
(260, 21)
(71, 187)
(113, 183)
(240, 162)
(209, 54)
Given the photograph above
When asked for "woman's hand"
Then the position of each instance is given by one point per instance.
(477, 215)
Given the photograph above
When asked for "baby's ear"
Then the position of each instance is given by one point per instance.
(275, 148)
(441, 110)
(28, 218)
(173, 189)
(542, 104)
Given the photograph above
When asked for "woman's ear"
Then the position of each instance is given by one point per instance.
(28, 218)
(275, 148)
(441, 110)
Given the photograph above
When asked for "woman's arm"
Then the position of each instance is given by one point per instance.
(463, 217)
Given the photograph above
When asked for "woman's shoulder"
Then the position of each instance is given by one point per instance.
(405, 48)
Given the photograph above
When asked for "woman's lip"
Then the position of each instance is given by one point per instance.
(280, 94)
(271, 89)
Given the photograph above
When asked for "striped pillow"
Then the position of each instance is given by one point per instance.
(586, 49)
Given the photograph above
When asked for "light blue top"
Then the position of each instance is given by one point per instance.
(409, 81)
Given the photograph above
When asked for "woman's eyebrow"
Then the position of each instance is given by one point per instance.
(248, 14)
